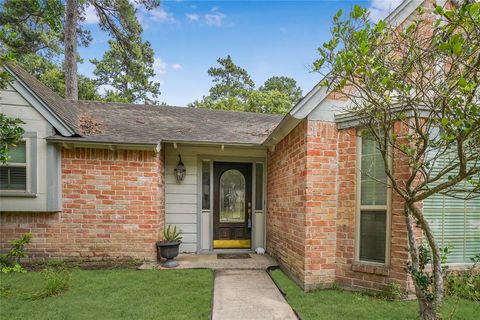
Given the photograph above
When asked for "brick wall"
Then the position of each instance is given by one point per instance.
(286, 196)
(302, 203)
(321, 204)
(113, 208)
(312, 207)
(349, 273)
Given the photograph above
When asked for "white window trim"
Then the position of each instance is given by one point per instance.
(27, 164)
(359, 207)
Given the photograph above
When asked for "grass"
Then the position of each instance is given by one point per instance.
(111, 294)
(337, 304)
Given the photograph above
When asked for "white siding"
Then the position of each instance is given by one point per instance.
(181, 198)
(13, 104)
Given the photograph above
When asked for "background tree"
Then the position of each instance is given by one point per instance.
(231, 81)
(234, 90)
(284, 85)
(129, 76)
(273, 101)
(70, 65)
(117, 18)
(34, 31)
(416, 91)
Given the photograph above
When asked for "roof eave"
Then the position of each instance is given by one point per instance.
(69, 142)
(215, 143)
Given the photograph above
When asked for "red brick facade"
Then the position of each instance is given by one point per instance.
(113, 208)
(321, 203)
(312, 209)
(302, 198)
(349, 273)
(286, 198)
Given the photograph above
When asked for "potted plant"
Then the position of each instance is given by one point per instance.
(168, 247)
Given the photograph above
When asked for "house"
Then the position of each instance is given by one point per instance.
(99, 181)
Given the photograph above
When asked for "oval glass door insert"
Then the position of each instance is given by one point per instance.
(232, 197)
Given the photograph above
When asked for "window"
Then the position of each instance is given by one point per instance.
(454, 222)
(205, 185)
(259, 186)
(373, 209)
(13, 174)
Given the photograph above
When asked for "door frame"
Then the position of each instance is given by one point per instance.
(200, 211)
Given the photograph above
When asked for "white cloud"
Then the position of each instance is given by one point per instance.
(104, 88)
(176, 66)
(215, 18)
(90, 15)
(192, 16)
(159, 66)
(161, 15)
(380, 9)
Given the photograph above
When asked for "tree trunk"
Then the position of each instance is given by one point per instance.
(427, 307)
(427, 310)
(71, 20)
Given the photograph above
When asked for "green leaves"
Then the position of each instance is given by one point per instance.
(474, 9)
(234, 90)
(439, 10)
(129, 75)
(172, 234)
(357, 12)
(11, 134)
(337, 16)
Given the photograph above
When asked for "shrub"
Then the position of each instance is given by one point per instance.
(465, 284)
(56, 281)
(393, 292)
(10, 262)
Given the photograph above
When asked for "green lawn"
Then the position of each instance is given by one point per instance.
(112, 294)
(337, 304)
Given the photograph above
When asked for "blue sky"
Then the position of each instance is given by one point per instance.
(266, 38)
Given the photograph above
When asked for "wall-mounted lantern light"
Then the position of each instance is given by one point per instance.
(180, 169)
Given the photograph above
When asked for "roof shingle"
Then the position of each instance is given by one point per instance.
(133, 123)
(104, 122)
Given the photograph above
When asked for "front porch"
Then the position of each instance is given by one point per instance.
(219, 203)
(211, 261)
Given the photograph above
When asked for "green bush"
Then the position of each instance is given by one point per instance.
(465, 284)
(56, 281)
(393, 292)
(10, 262)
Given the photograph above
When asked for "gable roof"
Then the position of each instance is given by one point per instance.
(151, 124)
(122, 123)
(53, 107)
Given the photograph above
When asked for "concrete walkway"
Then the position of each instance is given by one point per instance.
(246, 295)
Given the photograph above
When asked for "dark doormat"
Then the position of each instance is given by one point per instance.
(233, 256)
